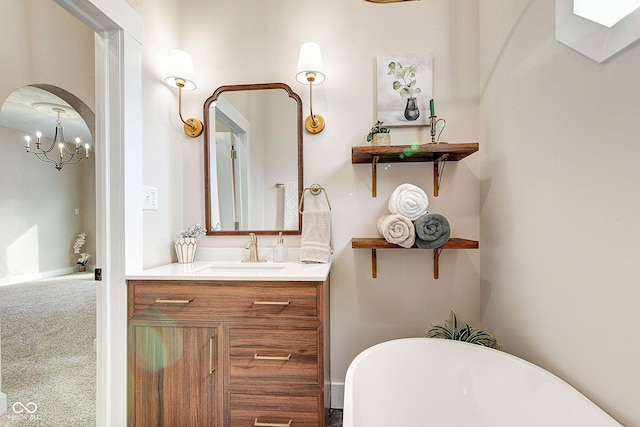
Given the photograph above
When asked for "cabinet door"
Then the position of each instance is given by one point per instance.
(174, 374)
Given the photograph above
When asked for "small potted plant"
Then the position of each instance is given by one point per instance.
(452, 331)
(186, 243)
(379, 135)
(83, 259)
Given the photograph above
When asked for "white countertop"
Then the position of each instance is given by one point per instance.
(236, 270)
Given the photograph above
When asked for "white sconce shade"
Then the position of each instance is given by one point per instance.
(310, 61)
(180, 75)
(311, 71)
(180, 70)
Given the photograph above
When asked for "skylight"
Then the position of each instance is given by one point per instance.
(607, 13)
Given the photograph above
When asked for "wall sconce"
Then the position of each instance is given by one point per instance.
(180, 75)
(311, 71)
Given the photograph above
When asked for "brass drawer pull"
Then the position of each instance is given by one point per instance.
(173, 301)
(258, 302)
(256, 423)
(258, 357)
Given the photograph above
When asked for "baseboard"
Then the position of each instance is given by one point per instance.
(36, 276)
(337, 395)
(3, 403)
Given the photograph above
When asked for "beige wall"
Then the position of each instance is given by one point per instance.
(258, 41)
(559, 203)
(42, 43)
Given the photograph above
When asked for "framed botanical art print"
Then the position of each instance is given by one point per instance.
(405, 87)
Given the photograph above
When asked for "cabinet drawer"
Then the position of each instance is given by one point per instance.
(213, 301)
(248, 410)
(276, 356)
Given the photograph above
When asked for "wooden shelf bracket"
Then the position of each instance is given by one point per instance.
(374, 176)
(374, 263)
(436, 263)
(438, 172)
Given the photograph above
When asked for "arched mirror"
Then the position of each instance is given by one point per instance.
(253, 159)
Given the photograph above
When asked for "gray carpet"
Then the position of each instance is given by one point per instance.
(48, 330)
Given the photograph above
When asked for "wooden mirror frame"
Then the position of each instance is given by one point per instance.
(207, 128)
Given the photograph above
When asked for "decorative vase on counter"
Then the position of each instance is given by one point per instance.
(186, 249)
(381, 139)
(411, 111)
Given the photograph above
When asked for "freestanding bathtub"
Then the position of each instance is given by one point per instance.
(417, 382)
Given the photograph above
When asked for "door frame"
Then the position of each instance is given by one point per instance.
(118, 57)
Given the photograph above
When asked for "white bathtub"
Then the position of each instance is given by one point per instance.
(418, 382)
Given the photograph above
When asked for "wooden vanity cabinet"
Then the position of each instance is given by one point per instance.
(228, 353)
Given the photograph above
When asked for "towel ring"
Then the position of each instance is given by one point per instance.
(315, 189)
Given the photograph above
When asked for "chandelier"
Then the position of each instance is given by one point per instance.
(59, 152)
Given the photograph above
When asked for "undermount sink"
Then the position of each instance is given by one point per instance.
(242, 267)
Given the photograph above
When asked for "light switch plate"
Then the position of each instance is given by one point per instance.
(150, 201)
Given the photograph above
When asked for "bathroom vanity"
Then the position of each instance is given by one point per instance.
(229, 344)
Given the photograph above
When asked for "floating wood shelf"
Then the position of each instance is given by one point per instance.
(436, 153)
(374, 243)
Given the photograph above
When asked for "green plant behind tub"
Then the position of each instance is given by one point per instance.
(452, 331)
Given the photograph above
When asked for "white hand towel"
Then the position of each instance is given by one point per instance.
(397, 229)
(409, 201)
(315, 242)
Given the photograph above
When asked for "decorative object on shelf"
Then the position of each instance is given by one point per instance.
(66, 153)
(379, 135)
(311, 71)
(432, 231)
(409, 76)
(180, 75)
(187, 243)
(83, 259)
(433, 122)
(451, 331)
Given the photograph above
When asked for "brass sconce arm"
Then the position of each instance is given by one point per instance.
(315, 122)
(192, 127)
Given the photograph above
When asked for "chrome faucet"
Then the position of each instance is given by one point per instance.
(252, 245)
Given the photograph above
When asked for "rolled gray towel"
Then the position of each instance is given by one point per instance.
(432, 231)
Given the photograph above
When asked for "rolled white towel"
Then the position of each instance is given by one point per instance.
(397, 229)
(409, 201)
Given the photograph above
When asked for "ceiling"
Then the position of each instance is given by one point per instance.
(30, 109)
